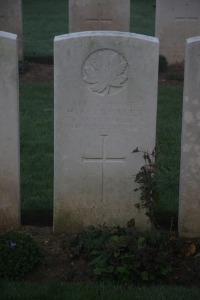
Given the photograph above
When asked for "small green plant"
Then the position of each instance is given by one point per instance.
(175, 75)
(163, 64)
(148, 184)
(23, 67)
(19, 254)
(123, 254)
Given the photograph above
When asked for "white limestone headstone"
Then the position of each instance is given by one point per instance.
(9, 133)
(11, 20)
(189, 196)
(105, 106)
(176, 20)
(91, 15)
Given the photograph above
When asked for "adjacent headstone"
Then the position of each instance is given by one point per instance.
(11, 20)
(189, 198)
(87, 15)
(105, 106)
(9, 133)
(176, 20)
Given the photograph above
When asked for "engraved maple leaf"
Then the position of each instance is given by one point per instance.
(105, 69)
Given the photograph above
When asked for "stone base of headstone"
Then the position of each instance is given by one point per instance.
(72, 221)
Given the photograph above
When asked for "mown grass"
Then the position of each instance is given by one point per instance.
(18, 291)
(36, 124)
(42, 21)
(143, 16)
(169, 118)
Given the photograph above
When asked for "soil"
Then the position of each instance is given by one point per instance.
(58, 264)
(36, 72)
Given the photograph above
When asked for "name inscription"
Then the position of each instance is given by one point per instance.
(82, 115)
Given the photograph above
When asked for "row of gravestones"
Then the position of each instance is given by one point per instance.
(105, 104)
(176, 20)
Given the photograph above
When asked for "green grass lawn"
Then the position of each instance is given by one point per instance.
(143, 16)
(36, 124)
(169, 117)
(42, 21)
(18, 291)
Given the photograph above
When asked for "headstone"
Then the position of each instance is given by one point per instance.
(11, 20)
(9, 133)
(176, 20)
(89, 15)
(105, 106)
(189, 197)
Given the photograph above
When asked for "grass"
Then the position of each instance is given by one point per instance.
(43, 20)
(143, 17)
(169, 116)
(36, 123)
(18, 291)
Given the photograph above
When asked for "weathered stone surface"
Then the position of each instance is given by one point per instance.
(87, 15)
(11, 20)
(105, 106)
(9, 133)
(189, 198)
(176, 20)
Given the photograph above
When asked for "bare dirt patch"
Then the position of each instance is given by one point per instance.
(174, 75)
(36, 72)
(58, 265)
(56, 261)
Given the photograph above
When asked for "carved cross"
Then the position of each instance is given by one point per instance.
(99, 20)
(103, 160)
(186, 18)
